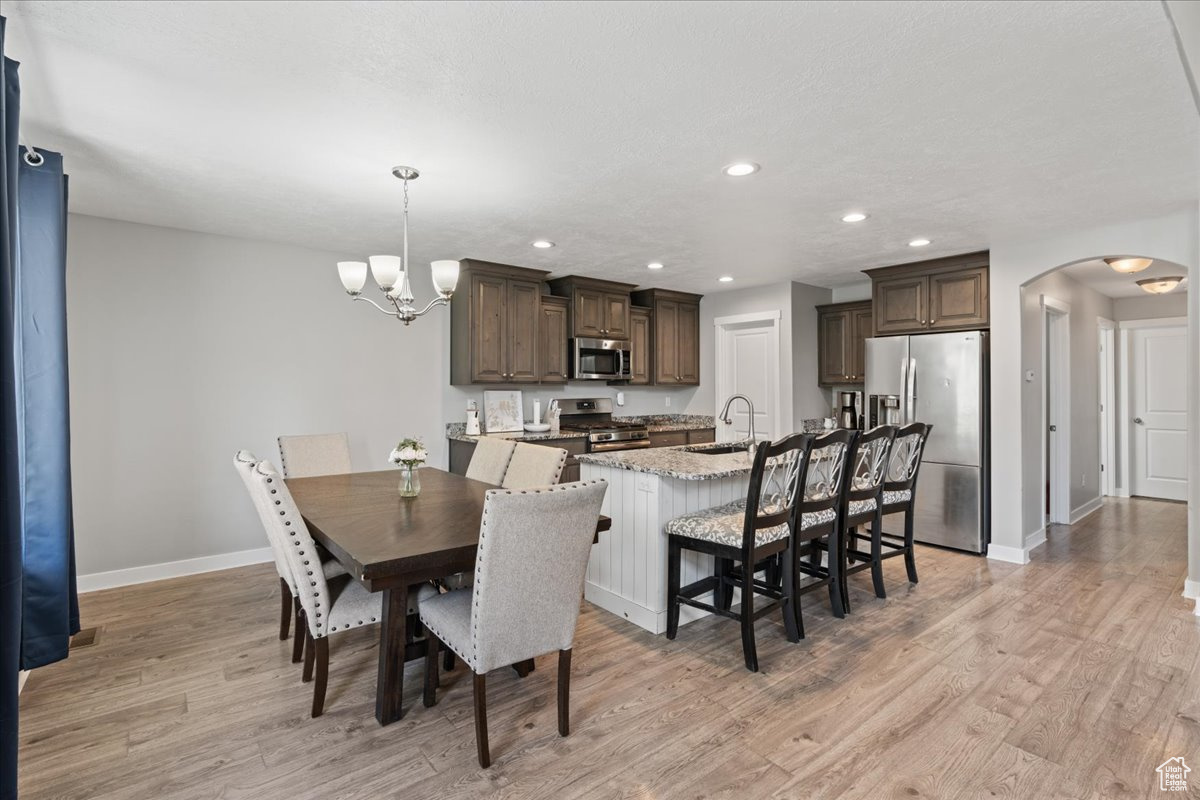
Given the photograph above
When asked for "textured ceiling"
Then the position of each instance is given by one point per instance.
(604, 126)
(1105, 280)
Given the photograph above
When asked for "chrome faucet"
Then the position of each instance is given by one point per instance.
(729, 421)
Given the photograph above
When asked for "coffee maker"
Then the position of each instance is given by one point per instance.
(849, 410)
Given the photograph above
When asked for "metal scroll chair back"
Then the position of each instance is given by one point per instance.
(905, 461)
(773, 497)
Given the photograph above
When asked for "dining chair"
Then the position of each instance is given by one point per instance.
(864, 506)
(533, 466)
(330, 605)
(290, 608)
(490, 460)
(751, 532)
(900, 492)
(533, 552)
(314, 454)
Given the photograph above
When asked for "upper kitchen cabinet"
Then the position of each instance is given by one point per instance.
(939, 295)
(552, 338)
(675, 334)
(842, 332)
(599, 309)
(639, 349)
(494, 324)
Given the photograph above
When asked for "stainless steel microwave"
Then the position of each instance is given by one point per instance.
(600, 359)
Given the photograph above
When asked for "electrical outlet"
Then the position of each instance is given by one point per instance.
(667, 400)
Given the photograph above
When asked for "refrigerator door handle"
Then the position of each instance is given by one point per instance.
(904, 389)
(910, 391)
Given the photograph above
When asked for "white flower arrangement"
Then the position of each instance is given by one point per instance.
(409, 452)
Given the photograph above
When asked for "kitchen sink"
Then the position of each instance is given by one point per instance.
(722, 448)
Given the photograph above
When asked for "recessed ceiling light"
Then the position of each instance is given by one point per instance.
(726, 279)
(654, 265)
(856, 216)
(542, 244)
(918, 243)
(740, 169)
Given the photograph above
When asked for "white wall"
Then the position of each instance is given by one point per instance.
(852, 293)
(809, 400)
(1150, 306)
(1087, 307)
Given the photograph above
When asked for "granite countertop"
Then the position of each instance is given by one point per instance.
(685, 463)
(655, 423)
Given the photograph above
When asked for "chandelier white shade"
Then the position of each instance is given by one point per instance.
(391, 273)
(1160, 285)
(1127, 266)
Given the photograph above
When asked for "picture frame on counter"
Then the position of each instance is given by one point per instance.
(503, 411)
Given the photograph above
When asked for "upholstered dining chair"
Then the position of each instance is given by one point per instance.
(329, 605)
(900, 492)
(751, 532)
(490, 460)
(314, 454)
(533, 466)
(869, 462)
(245, 462)
(533, 552)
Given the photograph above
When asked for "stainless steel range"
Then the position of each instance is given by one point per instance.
(594, 416)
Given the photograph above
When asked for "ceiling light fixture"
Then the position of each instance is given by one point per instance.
(740, 169)
(1160, 285)
(543, 244)
(391, 272)
(726, 279)
(856, 216)
(918, 243)
(654, 265)
(1127, 266)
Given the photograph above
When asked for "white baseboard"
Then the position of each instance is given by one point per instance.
(172, 569)
(22, 676)
(1119, 493)
(1091, 506)
(1011, 555)
(1035, 540)
(647, 618)
(1191, 590)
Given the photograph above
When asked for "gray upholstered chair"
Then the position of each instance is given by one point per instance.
(533, 466)
(245, 462)
(314, 454)
(330, 605)
(533, 552)
(490, 460)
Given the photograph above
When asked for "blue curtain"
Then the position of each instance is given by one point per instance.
(39, 609)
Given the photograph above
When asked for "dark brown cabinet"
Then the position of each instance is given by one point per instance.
(599, 309)
(552, 338)
(938, 295)
(675, 332)
(842, 331)
(639, 339)
(494, 325)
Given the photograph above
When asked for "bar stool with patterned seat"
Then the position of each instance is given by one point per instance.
(864, 506)
(900, 493)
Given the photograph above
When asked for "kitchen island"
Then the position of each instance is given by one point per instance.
(627, 572)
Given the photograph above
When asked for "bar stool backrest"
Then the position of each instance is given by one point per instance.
(825, 481)
(905, 461)
(870, 460)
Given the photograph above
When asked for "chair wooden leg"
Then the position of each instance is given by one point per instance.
(431, 670)
(674, 554)
(773, 574)
(322, 680)
(309, 655)
(448, 660)
(285, 614)
(910, 560)
(749, 650)
(843, 563)
(523, 668)
(791, 600)
(564, 692)
(722, 594)
(836, 594)
(301, 632)
(481, 737)
(877, 556)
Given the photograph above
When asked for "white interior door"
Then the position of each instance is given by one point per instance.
(1158, 375)
(748, 363)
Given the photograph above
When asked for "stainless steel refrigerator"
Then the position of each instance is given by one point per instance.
(942, 379)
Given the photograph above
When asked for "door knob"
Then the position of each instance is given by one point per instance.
(1137, 420)
(1053, 428)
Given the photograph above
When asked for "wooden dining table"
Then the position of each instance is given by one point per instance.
(390, 543)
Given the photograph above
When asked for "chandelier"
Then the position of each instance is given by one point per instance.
(391, 272)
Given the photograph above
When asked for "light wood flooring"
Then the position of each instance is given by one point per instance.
(1073, 676)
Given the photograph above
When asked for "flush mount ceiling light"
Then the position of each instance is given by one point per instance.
(543, 244)
(918, 243)
(740, 169)
(856, 216)
(726, 279)
(1159, 285)
(1128, 266)
(654, 265)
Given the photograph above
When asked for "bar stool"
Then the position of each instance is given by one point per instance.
(900, 492)
(864, 505)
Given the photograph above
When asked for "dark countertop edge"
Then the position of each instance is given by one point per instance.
(697, 423)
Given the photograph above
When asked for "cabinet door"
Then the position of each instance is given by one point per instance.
(832, 334)
(666, 342)
(702, 436)
(959, 299)
(861, 328)
(489, 318)
(616, 316)
(589, 313)
(688, 339)
(552, 338)
(524, 309)
(901, 305)
(639, 336)
(668, 438)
